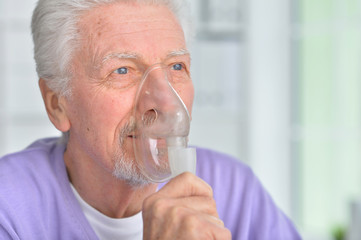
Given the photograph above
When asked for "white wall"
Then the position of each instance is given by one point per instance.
(22, 115)
(268, 96)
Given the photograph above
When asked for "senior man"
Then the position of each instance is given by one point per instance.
(90, 55)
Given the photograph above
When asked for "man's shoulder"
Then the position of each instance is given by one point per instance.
(227, 175)
(24, 173)
(213, 164)
(242, 203)
(44, 145)
(35, 197)
(31, 158)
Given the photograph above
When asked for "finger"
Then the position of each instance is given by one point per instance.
(186, 185)
(205, 205)
(186, 218)
(217, 228)
(177, 206)
(205, 227)
(215, 220)
(221, 233)
(211, 217)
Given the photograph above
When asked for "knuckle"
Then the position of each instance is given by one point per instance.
(188, 177)
(147, 203)
(191, 222)
(176, 212)
(159, 205)
(212, 203)
(197, 183)
(154, 203)
(209, 190)
(210, 206)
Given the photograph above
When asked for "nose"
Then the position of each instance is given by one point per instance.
(157, 92)
(162, 126)
(159, 110)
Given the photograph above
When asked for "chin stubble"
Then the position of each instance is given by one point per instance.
(125, 168)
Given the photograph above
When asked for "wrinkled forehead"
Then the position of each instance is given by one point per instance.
(128, 12)
(126, 24)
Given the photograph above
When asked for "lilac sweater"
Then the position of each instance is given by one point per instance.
(36, 201)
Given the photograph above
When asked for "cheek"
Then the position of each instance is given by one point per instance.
(112, 111)
(102, 113)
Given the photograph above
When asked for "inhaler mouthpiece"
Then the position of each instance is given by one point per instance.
(162, 127)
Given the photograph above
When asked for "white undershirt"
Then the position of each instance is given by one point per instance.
(107, 228)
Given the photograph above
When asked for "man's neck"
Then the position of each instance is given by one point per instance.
(100, 189)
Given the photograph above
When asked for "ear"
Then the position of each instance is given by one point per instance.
(54, 107)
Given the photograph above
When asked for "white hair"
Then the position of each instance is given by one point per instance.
(55, 34)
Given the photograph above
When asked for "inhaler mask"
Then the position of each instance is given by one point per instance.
(162, 127)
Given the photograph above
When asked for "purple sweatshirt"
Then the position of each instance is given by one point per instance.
(37, 202)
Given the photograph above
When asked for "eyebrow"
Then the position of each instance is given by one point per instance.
(121, 56)
(176, 53)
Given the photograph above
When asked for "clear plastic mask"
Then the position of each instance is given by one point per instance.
(162, 127)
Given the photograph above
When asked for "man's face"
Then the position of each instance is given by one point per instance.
(118, 42)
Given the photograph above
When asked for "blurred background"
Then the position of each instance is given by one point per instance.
(278, 85)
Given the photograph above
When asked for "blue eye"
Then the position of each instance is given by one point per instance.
(177, 67)
(122, 70)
